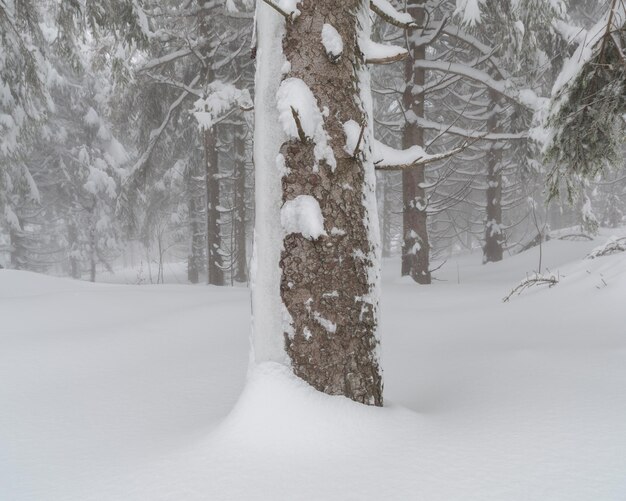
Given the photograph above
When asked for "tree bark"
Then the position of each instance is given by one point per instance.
(494, 237)
(215, 273)
(328, 285)
(415, 244)
(193, 263)
(239, 202)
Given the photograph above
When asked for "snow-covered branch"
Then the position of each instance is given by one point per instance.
(377, 53)
(387, 12)
(390, 159)
(524, 97)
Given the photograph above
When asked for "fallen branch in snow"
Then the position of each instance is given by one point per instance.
(536, 279)
(612, 246)
(576, 236)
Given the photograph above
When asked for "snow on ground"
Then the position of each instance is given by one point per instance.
(123, 392)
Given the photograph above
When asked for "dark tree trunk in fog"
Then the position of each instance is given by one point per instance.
(72, 240)
(93, 251)
(415, 244)
(196, 216)
(387, 210)
(494, 237)
(326, 286)
(239, 202)
(17, 248)
(215, 273)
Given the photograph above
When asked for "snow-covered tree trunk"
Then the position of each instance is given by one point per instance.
(315, 296)
(415, 244)
(494, 238)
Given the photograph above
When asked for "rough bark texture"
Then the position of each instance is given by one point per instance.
(494, 238)
(215, 273)
(415, 244)
(325, 283)
(194, 260)
(239, 202)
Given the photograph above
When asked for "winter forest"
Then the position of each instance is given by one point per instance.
(312, 250)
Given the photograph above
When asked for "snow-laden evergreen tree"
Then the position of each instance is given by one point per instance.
(188, 72)
(586, 117)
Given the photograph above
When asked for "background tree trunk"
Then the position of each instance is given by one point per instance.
(415, 244)
(215, 273)
(494, 238)
(239, 204)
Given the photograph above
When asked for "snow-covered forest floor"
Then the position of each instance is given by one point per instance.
(128, 392)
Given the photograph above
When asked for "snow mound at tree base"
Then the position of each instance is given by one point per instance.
(285, 440)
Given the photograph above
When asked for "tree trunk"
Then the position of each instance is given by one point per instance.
(17, 248)
(72, 240)
(415, 244)
(494, 237)
(239, 202)
(92, 252)
(327, 310)
(194, 264)
(387, 213)
(215, 273)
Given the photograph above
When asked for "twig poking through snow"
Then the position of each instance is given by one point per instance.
(536, 279)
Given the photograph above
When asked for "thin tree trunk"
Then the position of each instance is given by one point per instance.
(215, 273)
(92, 253)
(415, 245)
(196, 216)
(239, 202)
(72, 240)
(17, 249)
(494, 237)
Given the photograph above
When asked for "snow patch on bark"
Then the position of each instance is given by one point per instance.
(303, 215)
(324, 322)
(332, 41)
(295, 97)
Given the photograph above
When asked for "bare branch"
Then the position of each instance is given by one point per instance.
(358, 143)
(388, 60)
(296, 118)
